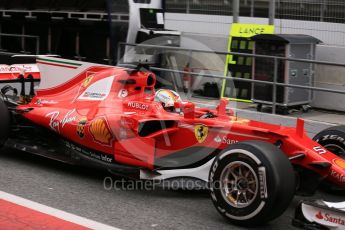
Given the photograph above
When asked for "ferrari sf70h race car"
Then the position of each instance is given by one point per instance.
(107, 116)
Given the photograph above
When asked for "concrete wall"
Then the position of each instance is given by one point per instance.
(329, 33)
(330, 77)
(213, 32)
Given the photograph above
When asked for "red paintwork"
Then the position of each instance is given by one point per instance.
(10, 76)
(123, 115)
(13, 216)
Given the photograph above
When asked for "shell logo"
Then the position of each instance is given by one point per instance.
(101, 132)
(340, 163)
(319, 215)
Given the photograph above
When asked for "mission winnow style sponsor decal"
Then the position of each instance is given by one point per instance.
(58, 63)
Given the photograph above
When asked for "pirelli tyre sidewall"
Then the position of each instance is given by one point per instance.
(275, 180)
(333, 139)
(4, 122)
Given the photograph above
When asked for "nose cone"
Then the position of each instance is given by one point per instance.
(337, 172)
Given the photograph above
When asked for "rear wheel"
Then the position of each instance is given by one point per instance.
(4, 122)
(251, 183)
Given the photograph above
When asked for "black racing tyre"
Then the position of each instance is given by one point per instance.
(333, 139)
(5, 121)
(251, 183)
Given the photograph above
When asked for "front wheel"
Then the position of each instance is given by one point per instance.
(251, 183)
(333, 139)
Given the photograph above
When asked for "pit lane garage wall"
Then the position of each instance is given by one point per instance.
(330, 77)
(213, 31)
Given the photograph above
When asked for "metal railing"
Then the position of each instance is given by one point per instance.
(215, 7)
(274, 83)
(309, 10)
(70, 14)
(22, 38)
(315, 10)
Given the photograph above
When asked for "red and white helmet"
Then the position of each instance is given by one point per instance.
(167, 97)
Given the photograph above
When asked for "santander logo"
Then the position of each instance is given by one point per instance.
(319, 215)
(329, 218)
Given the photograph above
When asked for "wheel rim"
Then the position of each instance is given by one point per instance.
(239, 184)
(336, 149)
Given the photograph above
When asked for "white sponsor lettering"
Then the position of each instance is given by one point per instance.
(94, 96)
(334, 137)
(339, 177)
(137, 105)
(319, 150)
(39, 102)
(123, 93)
(263, 185)
(68, 118)
(106, 158)
(17, 68)
(99, 90)
(55, 123)
(224, 140)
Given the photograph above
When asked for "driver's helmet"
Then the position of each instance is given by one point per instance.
(167, 98)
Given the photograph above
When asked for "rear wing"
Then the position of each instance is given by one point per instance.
(57, 71)
(47, 74)
(11, 72)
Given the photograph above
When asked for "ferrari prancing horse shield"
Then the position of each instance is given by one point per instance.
(87, 81)
(201, 132)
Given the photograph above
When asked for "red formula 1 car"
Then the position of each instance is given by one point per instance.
(107, 116)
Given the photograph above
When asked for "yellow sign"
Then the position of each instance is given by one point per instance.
(201, 132)
(87, 80)
(242, 31)
(249, 30)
